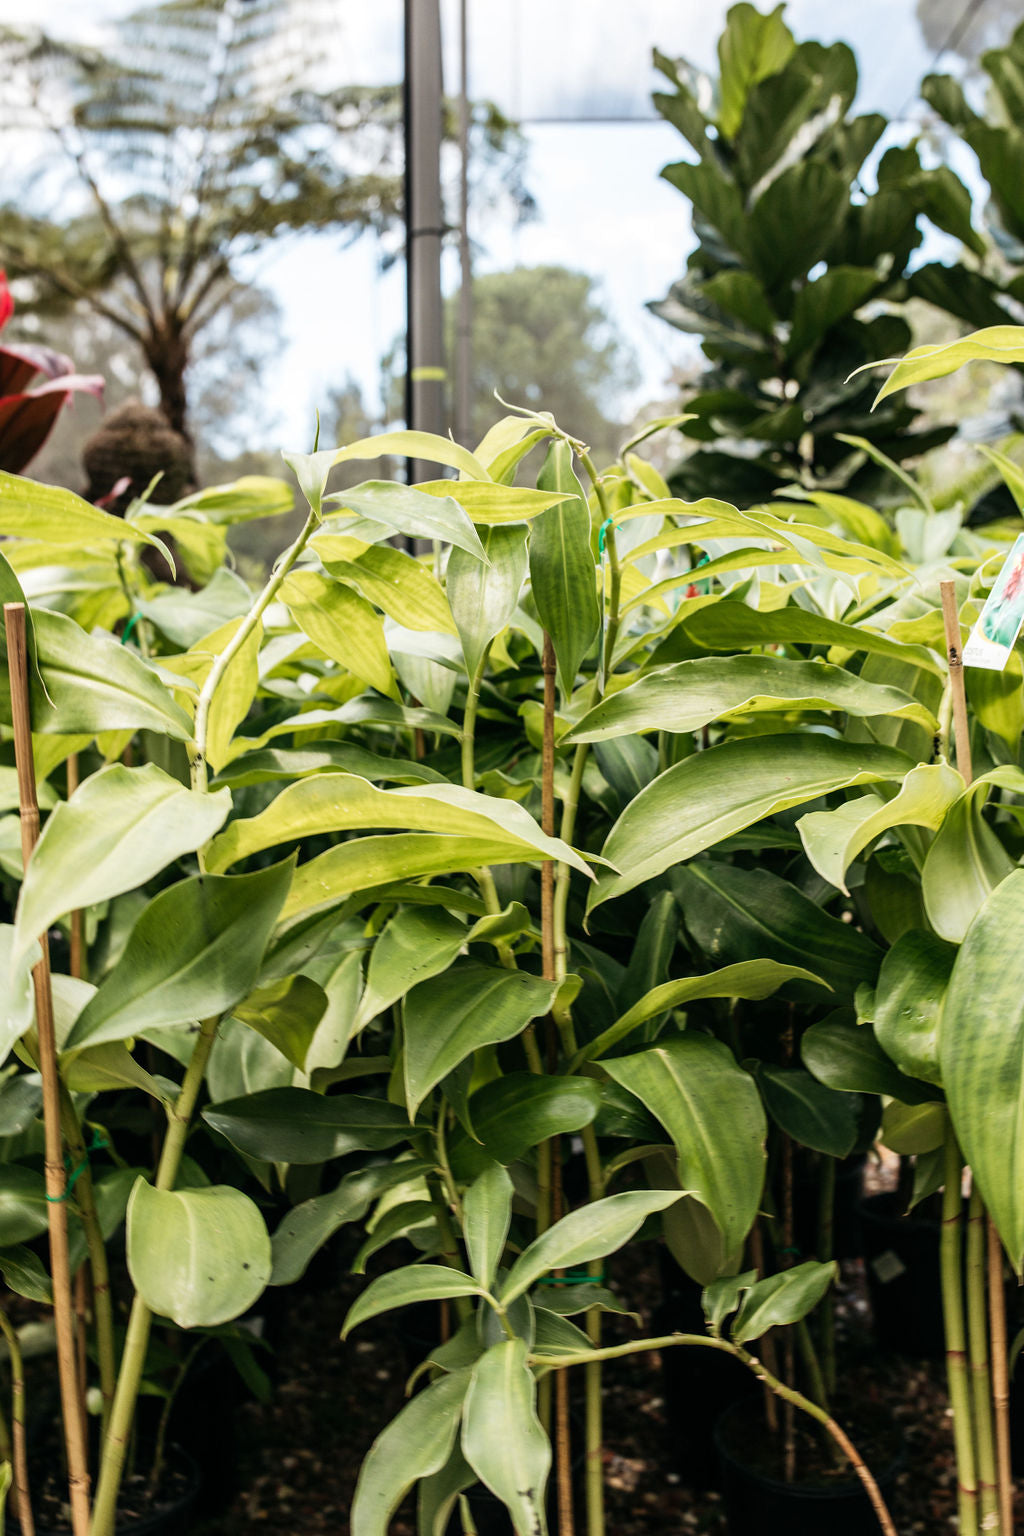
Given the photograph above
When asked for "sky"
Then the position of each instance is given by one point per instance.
(602, 207)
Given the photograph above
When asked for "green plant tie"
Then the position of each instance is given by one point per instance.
(573, 1277)
(609, 522)
(96, 1145)
(129, 627)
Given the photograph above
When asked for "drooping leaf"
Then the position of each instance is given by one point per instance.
(726, 789)
(847, 1057)
(24, 1274)
(17, 997)
(95, 684)
(23, 1208)
(591, 1232)
(416, 513)
(712, 1111)
(562, 567)
(965, 862)
(322, 757)
(728, 625)
(194, 952)
(286, 1012)
(910, 997)
(29, 510)
(782, 1299)
(416, 1443)
(518, 1111)
(198, 1256)
(493, 505)
(487, 1211)
(121, 827)
(305, 1229)
(502, 1437)
(402, 1287)
(994, 344)
(293, 1125)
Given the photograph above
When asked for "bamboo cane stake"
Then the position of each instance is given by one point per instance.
(56, 1178)
(996, 1293)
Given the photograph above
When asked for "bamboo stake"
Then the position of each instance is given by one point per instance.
(56, 1178)
(996, 1292)
(78, 916)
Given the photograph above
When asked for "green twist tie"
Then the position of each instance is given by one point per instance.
(96, 1145)
(573, 1277)
(129, 627)
(609, 522)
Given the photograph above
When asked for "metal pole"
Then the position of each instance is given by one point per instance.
(464, 326)
(425, 369)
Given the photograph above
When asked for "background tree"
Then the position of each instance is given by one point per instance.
(798, 264)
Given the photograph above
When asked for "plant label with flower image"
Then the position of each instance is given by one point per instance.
(994, 635)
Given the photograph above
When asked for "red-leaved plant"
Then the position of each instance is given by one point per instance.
(27, 415)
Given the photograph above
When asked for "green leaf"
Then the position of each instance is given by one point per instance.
(502, 1437)
(847, 1057)
(493, 505)
(590, 1232)
(737, 914)
(402, 1287)
(820, 304)
(24, 1274)
(194, 952)
(417, 1443)
(23, 1207)
(712, 1110)
(981, 1051)
(731, 625)
(439, 1494)
(389, 578)
(725, 790)
(416, 944)
(752, 47)
(17, 994)
(121, 827)
(994, 344)
(344, 625)
(238, 501)
(286, 1012)
(53, 515)
(452, 1015)
(782, 1299)
(910, 998)
(197, 1256)
(833, 839)
(562, 567)
(95, 684)
(483, 597)
(187, 617)
(721, 1298)
(913, 1130)
(518, 1111)
(342, 802)
(750, 979)
(964, 864)
(404, 509)
(293, 1125)
(815, 1116)
(690, 694)
(308, 1225)
(323, 757)
(487, 1212)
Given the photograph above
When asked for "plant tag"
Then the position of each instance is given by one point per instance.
(999, 623)
(888, 1266)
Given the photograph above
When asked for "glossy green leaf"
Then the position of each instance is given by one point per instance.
(194, 952)
(730, 625)
(995, 344)
(286, 1012)
(487, 1212)
(406, 509)
(390, 579)
(502, 1437)
(981, 1051)
(736, 914)
(483, 597)
(307, 1226)
(469, 1006)
(23, 1207)
(725, 790)
(590, 1232)
(342, 802)
(493, 505)
(963, 866)
(847, 1057)
(197, 1256)
(690, 694)
(414, 1219)
(294, 1125)
(751, 978)
(402, 1287)
(121, 827)
(753, 46)
(417, 1443)
(712, 1111)
(24, 1274)
(833, 839)
(782, 1299)
(417, 943)
(913, 1130)
(344, 625)
(518, 1111)
(909, 1001)
(814, 1116)
(95, 684)
(17, 995)
(29, 510)
(722, 1297)
(562, 567)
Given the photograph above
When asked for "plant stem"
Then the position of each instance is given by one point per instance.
(133, 1359)
(980, 1380)
(956, 1356)
(20, 1457)
(788, 1394)
(826, 1244)
(85, 1199)
(160, 1448)
(56, 1177)
(1000, 1383)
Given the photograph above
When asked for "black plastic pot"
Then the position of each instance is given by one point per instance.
(757, 1504)
(176, 1519)
(901, 1256)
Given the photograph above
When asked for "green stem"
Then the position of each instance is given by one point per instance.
(980, 1377)
(950, 1259)
(788, 1394)
(468, 737)
(826, 1243)
(15, 1449)
(160, 1448)
(85, 1200)
(450, 1254)
(133, 1359)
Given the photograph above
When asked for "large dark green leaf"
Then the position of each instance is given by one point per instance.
(712, 1111)
(909, 1001)
(562, 567)
(706, 797)
(470, 1005)
(792, 223)
(293, 1125)
(519, 1111)
(981, 1052)
(815, 1116)
(502, 1437)
(195, 951)
(23, 1208)
(847, 1057)
(416, 1443)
